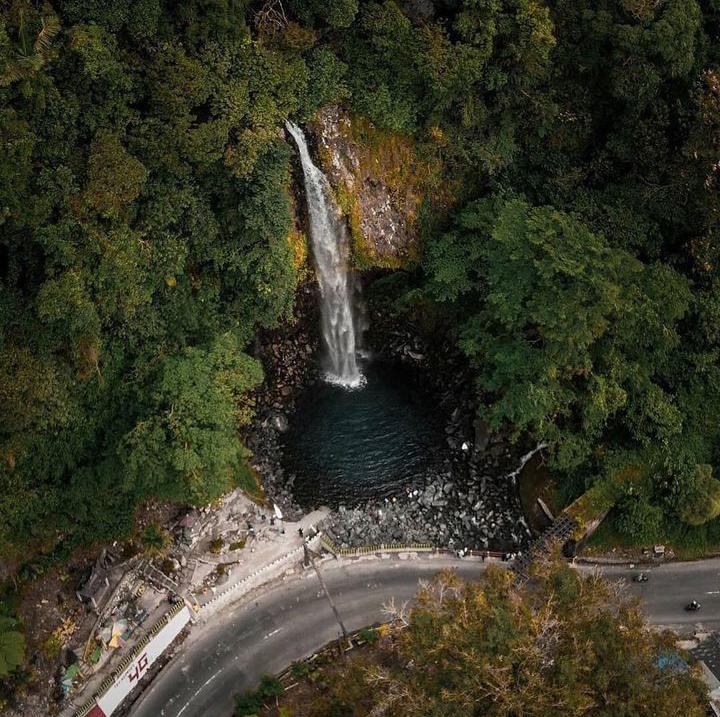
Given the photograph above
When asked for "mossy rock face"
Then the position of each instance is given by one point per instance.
(592, 505)
(379, 184)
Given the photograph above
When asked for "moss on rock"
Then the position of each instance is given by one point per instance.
(380, 185)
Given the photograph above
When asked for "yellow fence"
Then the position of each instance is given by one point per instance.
(379, 548)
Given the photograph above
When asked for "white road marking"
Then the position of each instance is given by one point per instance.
(270, 634)
(198, 691)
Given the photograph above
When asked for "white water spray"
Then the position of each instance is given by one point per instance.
(329, 241)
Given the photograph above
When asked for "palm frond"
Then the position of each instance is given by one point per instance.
(50, 28)
(23, 68)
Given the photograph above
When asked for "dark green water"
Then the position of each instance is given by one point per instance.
(348, 446)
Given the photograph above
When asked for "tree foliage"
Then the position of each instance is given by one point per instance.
(702, 500)
(579, 272)
(185, 446)
(562, 644)
(12, 646)
(144, 222)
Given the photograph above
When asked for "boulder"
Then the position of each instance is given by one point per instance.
(482, 434)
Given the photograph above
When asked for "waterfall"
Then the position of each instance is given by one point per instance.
(329, 240)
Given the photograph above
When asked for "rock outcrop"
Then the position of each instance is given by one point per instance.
(379, 184)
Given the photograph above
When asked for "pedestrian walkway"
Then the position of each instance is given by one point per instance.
(269, 560)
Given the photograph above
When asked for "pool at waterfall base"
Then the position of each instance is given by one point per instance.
(347, 446)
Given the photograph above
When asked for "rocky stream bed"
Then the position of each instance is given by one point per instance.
(466, 499)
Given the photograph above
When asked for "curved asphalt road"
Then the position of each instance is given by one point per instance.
(293, 619)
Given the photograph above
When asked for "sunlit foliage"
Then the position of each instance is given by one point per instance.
(560, 645)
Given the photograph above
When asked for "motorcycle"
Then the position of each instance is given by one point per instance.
(693, 606)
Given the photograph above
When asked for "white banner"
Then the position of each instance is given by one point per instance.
(142, 660)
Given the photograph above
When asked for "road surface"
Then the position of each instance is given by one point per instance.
(292, 620)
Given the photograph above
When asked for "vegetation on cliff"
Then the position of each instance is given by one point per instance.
(579, 268)
(145, 235)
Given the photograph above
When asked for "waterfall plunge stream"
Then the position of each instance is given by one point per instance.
(329, 241)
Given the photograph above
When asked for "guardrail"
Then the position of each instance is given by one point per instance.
(360, 550)
(248, 578)
(378, 548)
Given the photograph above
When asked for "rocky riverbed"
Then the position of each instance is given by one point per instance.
(449, 510)
(467, 498)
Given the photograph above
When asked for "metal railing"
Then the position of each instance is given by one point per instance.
(559, 532)
(330, 546)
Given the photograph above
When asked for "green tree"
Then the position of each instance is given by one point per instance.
(383, 51)
(575, 341)
(115, 178)
(12, 646)
(186, 447)
(551, 289)
(326, 84)
(337, 14)
(640, 520)
(702, 501)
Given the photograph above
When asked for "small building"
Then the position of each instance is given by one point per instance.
(185, 528)
(707, 653)
(95, 589)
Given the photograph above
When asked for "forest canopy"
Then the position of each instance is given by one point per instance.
(145, 215)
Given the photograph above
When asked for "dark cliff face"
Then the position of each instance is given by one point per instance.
(378, 183)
